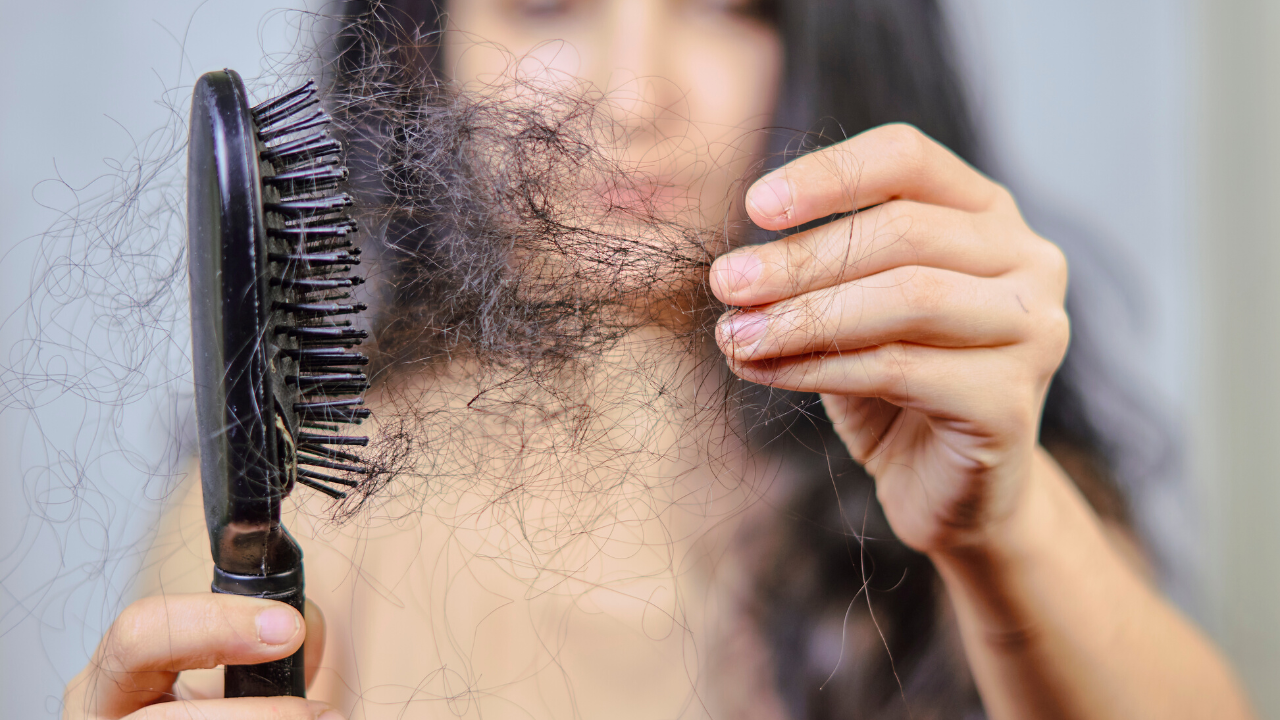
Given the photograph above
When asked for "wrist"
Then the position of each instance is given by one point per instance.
(1021, 530)
(992, 574)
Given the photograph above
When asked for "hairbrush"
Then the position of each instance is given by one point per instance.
(276, 379)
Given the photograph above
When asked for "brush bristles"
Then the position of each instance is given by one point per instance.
(310, 259)
(321, 477)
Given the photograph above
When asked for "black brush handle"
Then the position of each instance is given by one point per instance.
(279, 677)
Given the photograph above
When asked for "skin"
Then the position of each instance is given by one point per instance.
(688, 81)
(135, 669)
(931, 321)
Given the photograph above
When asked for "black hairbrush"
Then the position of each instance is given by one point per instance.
(275, 377)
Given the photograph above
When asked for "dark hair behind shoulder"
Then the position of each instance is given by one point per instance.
(852, 65)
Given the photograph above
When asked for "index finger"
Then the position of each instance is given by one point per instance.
(885, 163)
(157, 637)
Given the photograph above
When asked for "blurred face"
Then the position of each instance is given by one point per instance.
(688, 82)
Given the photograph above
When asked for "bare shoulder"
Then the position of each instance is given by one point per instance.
(177, 560)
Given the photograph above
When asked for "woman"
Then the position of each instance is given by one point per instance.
(931, 323)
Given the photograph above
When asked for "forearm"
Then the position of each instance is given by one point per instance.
(1056, 624)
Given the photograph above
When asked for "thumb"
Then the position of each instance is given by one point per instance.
(864, 424)
(313, 650)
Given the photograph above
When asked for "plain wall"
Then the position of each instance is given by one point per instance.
(1086, 108)
(1237, 427)
(83, 83)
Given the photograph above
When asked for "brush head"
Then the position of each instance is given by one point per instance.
(276, 376)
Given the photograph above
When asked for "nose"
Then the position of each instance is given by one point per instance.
(641, 92)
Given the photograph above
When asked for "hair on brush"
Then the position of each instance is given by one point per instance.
(276, 378)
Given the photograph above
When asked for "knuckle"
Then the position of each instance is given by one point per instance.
(797, 260)
(852, 244)
(146, 632)
(892, 212)
(797, 324)
(905, 139)
(1044, 348)
(1059, 334)
(128, 634)
(211, 615)
(886, 370)
(908, 145)
(1002, 198)
(894, 222)
(1054, 261)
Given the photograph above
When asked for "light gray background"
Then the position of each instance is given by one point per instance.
(1148, 123)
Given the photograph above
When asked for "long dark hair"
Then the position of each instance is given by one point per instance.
(858, 623)
(839, 579)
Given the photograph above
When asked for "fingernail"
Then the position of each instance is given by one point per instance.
(744, 329)
(738, 271)
(771, 198)
(277, 626)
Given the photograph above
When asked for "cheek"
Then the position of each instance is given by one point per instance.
(731, 89)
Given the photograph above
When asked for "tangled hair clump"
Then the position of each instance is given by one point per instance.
(511, 243)
(514, 232)
(541, 344)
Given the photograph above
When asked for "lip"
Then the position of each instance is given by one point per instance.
(649, 194)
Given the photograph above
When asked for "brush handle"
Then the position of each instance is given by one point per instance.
(279, 677)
